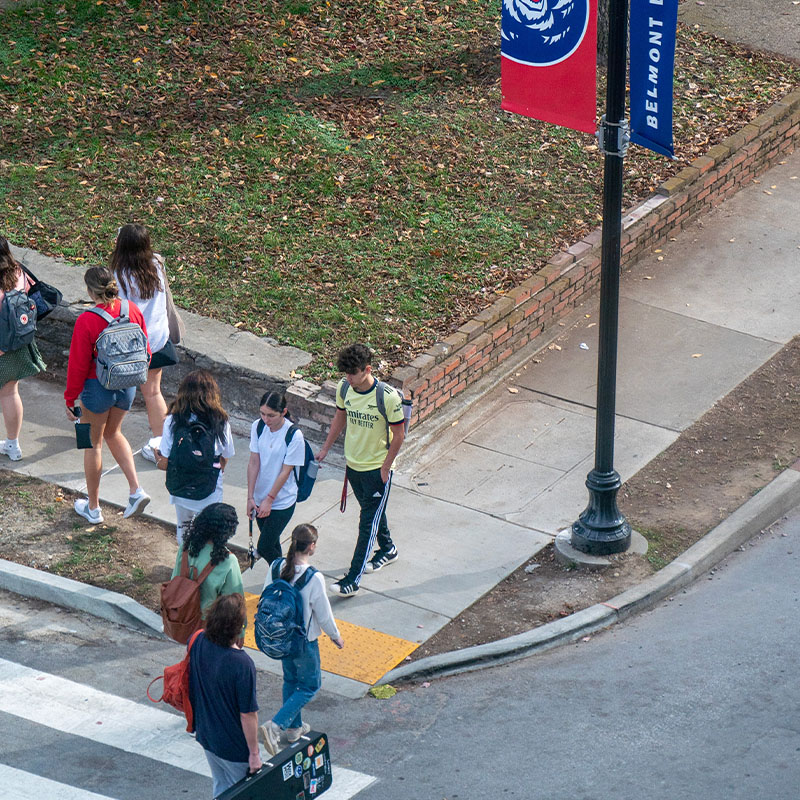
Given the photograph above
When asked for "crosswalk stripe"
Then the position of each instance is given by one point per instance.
(81, 710)
(20, 785)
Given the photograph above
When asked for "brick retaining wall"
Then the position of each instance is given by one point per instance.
(448, 367)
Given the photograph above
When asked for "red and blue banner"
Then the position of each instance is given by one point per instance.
(548, 65)
(653, 24)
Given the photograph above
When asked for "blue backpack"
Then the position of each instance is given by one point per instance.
(306, 474)
(278, 625)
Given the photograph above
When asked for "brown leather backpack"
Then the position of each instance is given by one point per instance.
(180, 601)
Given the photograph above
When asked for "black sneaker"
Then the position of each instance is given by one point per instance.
(344, 588)
(381, 560)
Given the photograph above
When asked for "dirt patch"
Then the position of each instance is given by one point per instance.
(731, 453)
(717, 464)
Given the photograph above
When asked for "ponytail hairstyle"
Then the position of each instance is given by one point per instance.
(198, 394)
(133, 262)
(9, 269)
(275, 401)
(101, 283)
(303, 536)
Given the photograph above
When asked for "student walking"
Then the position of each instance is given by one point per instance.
(271, 480)
(302, 676)
(372, 440)
(196, 444)
(142, 279)
(205, 543)
(222, 691)
(104, 409)
(22, 362)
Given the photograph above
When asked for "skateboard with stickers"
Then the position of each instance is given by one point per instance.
(301, 771)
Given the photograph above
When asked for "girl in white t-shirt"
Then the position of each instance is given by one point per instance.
(271, 481)
(198, 398)
(141, 279)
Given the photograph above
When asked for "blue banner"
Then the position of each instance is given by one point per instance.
(653, 25)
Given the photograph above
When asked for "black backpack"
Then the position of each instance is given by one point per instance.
(306, 474)
(192, 465)
(17, 321)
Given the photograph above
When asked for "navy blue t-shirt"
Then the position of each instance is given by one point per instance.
(222, 685)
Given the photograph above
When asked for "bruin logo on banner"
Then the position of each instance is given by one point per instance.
(542, 32)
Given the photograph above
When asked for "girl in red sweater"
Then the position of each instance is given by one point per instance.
(104, 409)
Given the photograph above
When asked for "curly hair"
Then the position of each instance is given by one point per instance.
(225, 619)
(198, 394)
(216, 523)
(133, 262)
(353, 358)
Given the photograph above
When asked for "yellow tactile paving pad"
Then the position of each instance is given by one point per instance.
(367, 654)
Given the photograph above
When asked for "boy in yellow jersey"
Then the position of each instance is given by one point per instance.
(371, 444)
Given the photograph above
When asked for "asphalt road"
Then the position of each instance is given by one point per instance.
(695, 699)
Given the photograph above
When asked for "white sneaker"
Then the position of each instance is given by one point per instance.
(269, 735)
(293, 734)
(148, 453)
(92, 514)
(10, 448)
(137, 502)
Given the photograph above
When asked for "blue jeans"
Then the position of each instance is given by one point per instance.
(301, 681)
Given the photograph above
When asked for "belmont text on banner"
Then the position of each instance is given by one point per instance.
(653, 25)
(548, 64)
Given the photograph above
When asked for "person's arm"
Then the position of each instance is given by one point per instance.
(253, 468)
(250, 731)
(321, 609)
(80, 359)
(265, 506)
(337, 426)
(398, 436)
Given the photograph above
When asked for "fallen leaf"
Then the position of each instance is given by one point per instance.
(697, 355)
(513, 390)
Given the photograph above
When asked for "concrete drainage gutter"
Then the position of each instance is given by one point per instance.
(769, 505)
(762, 510)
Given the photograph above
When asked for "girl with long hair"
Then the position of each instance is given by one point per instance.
(302, 676)
(17, 364)
(104, 409)
(205, 542)
(198, 399)
(141, 277)
(271, 481)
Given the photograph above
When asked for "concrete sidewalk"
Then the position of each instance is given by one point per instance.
(480, 497)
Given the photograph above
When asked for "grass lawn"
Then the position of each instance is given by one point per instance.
(316, 172)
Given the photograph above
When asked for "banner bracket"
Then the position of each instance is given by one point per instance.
(606, 133)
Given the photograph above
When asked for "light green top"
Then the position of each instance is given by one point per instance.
(225, 578)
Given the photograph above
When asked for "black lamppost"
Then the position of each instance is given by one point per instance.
(602, 529)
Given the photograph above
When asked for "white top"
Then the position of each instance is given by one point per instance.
(273, 454)
(154, 310)
(317, 614)
(226, 451)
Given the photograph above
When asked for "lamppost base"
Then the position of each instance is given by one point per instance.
(602, 528)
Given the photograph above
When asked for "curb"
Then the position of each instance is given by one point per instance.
(776, 499)
(66, 592)
(770, 504)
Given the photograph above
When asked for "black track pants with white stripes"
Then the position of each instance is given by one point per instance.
(372, 495)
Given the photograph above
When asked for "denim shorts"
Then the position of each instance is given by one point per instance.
(98, 400)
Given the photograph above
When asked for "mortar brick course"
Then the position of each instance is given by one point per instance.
(496, 332)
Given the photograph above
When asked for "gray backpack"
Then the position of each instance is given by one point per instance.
(17, 321)
(122, 359)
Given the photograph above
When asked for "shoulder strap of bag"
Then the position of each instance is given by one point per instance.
(343, 387)
(277, 566)
(186, 570)
(33, 279)
(380, 401)
(301, 582)
(101, 312)
(123, 310)
(260, 428)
